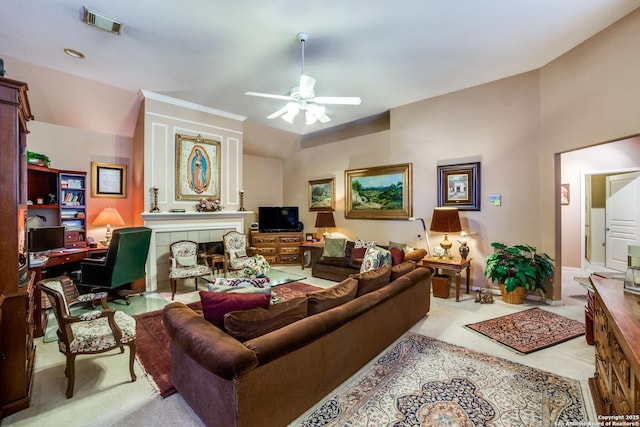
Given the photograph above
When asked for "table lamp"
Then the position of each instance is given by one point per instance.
(445, 220)
(108, 216)
(325, 220)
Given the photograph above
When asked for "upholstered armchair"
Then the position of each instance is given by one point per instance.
(93, 332)
(236, 250)
(124, 263)
(184, 263)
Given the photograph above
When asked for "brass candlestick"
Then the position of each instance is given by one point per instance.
(154, 207)
(241, 209)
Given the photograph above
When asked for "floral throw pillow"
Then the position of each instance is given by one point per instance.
(371, 260)
(359, 243)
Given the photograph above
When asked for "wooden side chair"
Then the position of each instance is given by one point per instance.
(93, 332)
(184, 263)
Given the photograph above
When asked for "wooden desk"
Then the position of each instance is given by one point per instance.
(455, 264)
(57, 262)
(308, 246)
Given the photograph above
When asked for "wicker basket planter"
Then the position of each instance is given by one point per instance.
(514, 297)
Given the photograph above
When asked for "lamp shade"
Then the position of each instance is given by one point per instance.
(325, 220)
(445, 220)
(108, 216)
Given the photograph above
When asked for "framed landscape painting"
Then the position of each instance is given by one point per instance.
(197, 167)
(322, 195)
(459, 186)
(382, 192)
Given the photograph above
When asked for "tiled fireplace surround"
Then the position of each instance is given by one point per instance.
(166, 228)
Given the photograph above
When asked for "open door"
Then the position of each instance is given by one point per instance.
(622, 217)
(587, 217)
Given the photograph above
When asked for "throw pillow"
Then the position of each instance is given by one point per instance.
(415, 255)
(371, 260)
(402, 269)
(397, 256)
(238, 253)
(358, 253)
(359, 243)
(334, 247)
(247, 324)
(385, 256)
(372, 280)
(334, 296)
(187, 261)
(258, 282)
(215, 305)
(238, 289)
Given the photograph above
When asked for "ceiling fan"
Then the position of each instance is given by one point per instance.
(303, 97)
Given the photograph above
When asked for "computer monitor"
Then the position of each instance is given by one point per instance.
(46, 239)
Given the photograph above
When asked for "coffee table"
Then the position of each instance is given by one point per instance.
(276, 277)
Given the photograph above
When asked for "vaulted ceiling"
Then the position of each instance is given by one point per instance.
(388, 53)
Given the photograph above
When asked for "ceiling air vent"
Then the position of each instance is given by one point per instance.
(104, 22)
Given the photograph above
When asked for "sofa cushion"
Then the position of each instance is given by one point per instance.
(397, 256)
(415, 255)
(334, 296)
(371, 280)
(247, 324)
(216, 304)
(402, 269)
(371, 260)
(334, 247)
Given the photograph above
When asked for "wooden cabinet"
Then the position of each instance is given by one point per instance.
(59, 197)
(615, 386)
(17, 350)
(278, 248)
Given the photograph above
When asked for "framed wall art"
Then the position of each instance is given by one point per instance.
(322, 194)
(108, 180)
(459, 186)
(197, 167)
(382, 192)
(565, 194)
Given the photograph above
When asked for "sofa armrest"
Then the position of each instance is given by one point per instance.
(316, 254)
(210, 347)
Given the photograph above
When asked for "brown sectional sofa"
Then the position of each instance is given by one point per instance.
(272, 379)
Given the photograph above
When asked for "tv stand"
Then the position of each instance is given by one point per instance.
(278, 247)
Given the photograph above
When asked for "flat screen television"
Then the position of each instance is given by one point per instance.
(278, 218)
(45, 239)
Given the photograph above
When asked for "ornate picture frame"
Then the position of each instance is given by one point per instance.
(108, 180)
(459, 186)
(197, 167)
(382, 192)
(322, 195)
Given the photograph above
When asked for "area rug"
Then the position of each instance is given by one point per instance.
(529, 330)
(423, 381)
(152, 341)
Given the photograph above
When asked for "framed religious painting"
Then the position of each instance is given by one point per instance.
(459, 186)
(322, 195)
(197, 167)
(382, 192)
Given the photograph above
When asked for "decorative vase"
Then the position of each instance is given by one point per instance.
(464, 251)
(514, 297)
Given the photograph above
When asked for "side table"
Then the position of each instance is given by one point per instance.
(455, 264)
(308, 246)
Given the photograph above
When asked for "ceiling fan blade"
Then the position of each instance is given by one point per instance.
(278, 113)
(269, 95)
(344, 100)
(306, 86)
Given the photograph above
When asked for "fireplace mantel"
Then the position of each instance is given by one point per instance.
(175, 222)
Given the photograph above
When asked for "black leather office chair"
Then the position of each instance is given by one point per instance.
(124, 262)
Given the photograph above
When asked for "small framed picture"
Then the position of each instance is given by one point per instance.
(459, 186)
(322, 194)
(564, 194)
(309, 237)
(108, 180)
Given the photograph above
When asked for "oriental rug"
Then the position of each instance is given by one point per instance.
(152, 340)
(529, 330)
(424, 381)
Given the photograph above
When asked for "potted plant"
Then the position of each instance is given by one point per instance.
(517, 269)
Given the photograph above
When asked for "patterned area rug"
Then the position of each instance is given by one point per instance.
(423, 381)
(152, 340)
(529, 330)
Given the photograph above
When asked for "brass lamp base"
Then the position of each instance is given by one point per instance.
(446, 245)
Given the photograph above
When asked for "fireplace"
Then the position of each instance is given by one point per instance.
(201, 227)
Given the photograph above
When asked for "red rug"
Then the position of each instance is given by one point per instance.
(152, 342)
(529, 330)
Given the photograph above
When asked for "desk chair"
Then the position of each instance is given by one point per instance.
(94, 332)
(124, 262)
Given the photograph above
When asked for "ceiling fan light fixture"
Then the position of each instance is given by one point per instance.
(311, 118)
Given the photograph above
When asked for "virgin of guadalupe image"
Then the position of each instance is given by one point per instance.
(199, 172)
